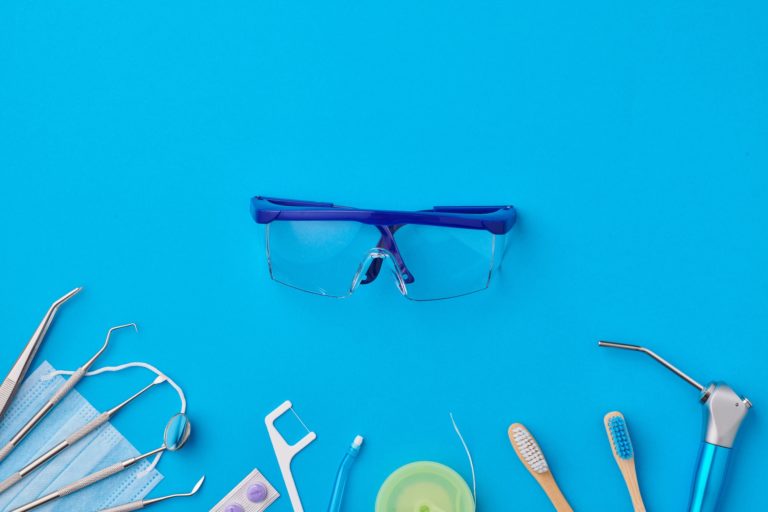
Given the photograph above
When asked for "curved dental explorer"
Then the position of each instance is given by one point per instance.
(19, 370)
(73, 438)
(176, 434)
(138, 505)
(58, 396)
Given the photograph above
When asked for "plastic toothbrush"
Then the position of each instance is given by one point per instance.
(532, 457)
(343, 475)
(624, 453)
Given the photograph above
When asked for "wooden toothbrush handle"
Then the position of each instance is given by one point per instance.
(554, 493)
(630, 477)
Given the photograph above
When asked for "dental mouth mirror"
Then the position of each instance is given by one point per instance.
(137, 505)
(176, 434)
(724, 411)
(58, 396)
(19, 370)
(73, 438)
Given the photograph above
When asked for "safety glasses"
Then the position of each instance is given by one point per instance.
(330, 250)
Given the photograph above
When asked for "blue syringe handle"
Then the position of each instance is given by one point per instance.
(711, 471)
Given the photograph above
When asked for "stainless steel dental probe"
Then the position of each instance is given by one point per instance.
(73, 438)
(176, 434)
(724, 412)
(138, 505)
(19, 370)
(58, 396)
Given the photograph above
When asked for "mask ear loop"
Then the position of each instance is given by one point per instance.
(121, 367)
(469, 456)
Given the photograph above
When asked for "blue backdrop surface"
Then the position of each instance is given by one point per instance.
(632, 138)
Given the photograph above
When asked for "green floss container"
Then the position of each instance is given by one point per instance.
(425, 487)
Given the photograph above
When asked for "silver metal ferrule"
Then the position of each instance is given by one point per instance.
(39, 502)
(27, 428)
(43, 459)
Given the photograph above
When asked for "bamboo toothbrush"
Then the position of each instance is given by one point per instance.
(624, 453)
(533, 459)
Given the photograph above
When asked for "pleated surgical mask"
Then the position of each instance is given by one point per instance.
(101, 448)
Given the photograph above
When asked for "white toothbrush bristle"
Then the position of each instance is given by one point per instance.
(530, 451)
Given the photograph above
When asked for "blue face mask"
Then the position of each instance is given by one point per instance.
(101, 448)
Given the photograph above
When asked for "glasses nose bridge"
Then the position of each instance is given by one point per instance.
(374, 262)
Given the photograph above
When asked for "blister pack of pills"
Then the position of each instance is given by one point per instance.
(253, 494)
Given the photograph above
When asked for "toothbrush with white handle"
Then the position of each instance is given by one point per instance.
(624, 453)
(532, 457)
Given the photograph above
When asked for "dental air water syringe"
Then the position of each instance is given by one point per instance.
(724, 410)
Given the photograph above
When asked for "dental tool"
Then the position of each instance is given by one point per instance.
(286, 452)
(19, 370)
(343, 474)
(176, 434)
(98, 421)
(138, 505)
(68, 386)
(532, 457)
(724, 411)
(624, 453)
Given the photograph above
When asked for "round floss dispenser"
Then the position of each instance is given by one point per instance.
(425, 487)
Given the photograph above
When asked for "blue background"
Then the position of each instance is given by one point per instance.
(631, 137)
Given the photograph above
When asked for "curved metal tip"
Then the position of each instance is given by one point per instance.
(117, 328)
(197, 486)
(66, 297)
(106, 342)
(654, 355)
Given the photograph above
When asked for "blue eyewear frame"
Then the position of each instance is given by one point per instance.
(496, 219)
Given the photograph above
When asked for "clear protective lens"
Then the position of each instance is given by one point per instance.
(321, 257)
(445, 262)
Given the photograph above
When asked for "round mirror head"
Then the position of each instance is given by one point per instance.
(177, 432)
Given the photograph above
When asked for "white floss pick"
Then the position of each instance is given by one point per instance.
(253, 494)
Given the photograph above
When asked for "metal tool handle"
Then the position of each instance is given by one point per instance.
(711, 470)
(10, 482)
(6, 391)
(88, 428)
(6, 450)
(128, 507)
(68, 385)
(91, 479)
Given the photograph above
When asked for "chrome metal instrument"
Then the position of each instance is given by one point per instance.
(138, 505)
(19, 370)
(724, 411)
(57, 397)
(176, 434)
(73, 438)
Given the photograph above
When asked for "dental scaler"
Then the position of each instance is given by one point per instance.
(724, 410)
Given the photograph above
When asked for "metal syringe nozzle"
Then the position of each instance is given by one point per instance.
(667, 364)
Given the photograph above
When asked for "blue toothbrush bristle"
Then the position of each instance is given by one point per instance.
(620, 437)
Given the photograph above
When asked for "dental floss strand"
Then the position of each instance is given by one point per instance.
(469, 456)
